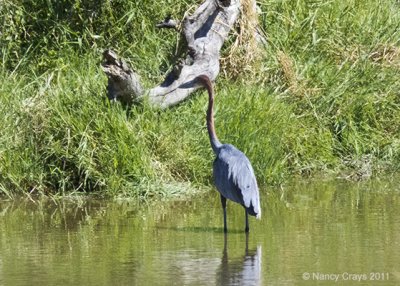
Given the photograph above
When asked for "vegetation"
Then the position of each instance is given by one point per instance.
(324, 97)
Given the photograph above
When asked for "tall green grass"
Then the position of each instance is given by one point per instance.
(338, 63)
(325, 99)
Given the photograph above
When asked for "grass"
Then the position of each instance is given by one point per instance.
(324, 98)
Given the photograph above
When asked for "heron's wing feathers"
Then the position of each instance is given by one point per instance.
(235, 179)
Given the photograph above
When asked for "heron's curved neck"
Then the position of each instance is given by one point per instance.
(215, 144)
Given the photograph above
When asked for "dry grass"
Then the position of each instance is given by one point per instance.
(288, 71)
(246, 51)
(387, 55)
(293, 82)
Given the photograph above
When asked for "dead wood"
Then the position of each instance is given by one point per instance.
(205, 31)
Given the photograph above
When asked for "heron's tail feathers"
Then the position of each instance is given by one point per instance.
(254, 211)
(258, 212)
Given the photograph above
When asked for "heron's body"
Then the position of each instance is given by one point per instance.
(235, 180)
(233, 174)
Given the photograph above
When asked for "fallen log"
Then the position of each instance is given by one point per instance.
(205, 31)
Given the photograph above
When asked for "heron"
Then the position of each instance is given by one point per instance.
(233, 174)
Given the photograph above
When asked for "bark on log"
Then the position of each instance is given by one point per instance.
(205, 32)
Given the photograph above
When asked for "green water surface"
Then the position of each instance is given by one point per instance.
(311, 233)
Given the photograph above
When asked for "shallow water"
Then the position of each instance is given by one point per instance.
(310, 233)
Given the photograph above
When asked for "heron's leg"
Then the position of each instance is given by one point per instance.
(223, 202)
(247, 244)
(225, 245)
(247, 222)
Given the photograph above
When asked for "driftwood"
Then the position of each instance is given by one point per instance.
(205, 32)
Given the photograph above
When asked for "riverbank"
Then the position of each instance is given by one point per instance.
(325, 99)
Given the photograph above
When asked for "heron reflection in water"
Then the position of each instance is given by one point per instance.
(243, 270)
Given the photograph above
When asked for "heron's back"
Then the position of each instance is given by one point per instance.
(235, 180)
